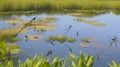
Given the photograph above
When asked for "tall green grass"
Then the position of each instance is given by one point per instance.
(42, 61)
(58, 5)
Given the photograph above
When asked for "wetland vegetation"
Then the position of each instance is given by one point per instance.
(79, 25)
(58, 5)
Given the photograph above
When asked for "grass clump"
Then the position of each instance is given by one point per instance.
(7, 49)
(42, 61)
(61, 39)
(114, 64)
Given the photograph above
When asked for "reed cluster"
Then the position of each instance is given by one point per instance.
(58, 5)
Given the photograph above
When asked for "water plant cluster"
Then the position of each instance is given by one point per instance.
(6, 49)
(61, 39)
(42, 61)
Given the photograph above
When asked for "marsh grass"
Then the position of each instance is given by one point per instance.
(57, 5)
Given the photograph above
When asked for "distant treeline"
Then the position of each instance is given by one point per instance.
(58, 5)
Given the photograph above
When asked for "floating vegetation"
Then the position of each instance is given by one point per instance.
(11, 31)
(14, 21)
(35, 37)
(76, 14)
(90, 22)
(84, 44)
(86, 13)
(46, 20)
(71, 40)
(79, 19)
(61, 39)
(95, 23)
(43, 24)
(42, 27)
(88, 40)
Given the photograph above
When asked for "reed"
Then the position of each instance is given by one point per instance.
(58, 5)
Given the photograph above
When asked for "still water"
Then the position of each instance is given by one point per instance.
(79, 30)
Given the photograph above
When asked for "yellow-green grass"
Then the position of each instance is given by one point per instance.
(60, 5)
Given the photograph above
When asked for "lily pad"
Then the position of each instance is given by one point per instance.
(84, 44)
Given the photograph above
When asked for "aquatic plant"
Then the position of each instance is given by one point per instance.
(86, 13)
(34, 37)
(84, 44)
(14, 21)
(90, 22)
(88, 40)
(71, 40)
(46, 20)
(7, 49)
(61, 39)
(42, 61)
(114, 64)
(42, 24)
(83, 61)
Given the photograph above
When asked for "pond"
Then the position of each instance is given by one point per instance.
(95, 34)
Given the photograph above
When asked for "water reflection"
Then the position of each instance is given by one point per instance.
(67, 30)
(113, 41)
(49, 53)
(70, 49)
